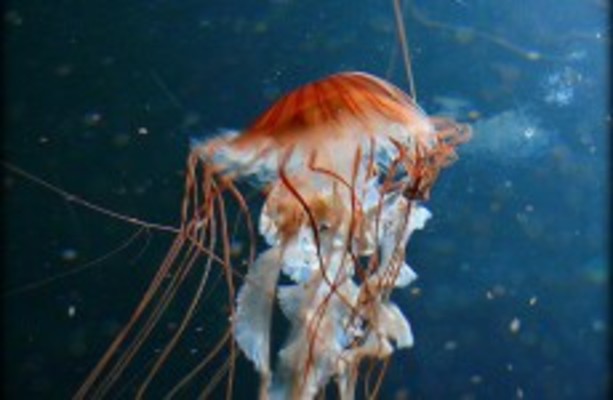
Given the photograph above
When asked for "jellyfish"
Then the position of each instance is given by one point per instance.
(341, 168)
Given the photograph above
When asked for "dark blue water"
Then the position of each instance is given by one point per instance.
(103, 97)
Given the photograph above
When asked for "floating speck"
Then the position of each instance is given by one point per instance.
(450, 345)
(401, 394)
(519, 393)
(236, 248)
(499, 291)
(260, 27)
(72, 310)
(514, 325)
(64, 70)
(143, 131)
(598, 325)
(474, 115)
(92, 118)
(69, 254)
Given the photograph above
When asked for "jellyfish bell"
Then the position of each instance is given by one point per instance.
(306, 127)
(344, 162)
(340, 129)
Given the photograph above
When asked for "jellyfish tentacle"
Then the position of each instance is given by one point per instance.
(221, 343)
(230, 287)
(193, 304)
(150, 322)
(187, 317)
(119, 340)
(250, 226)
(178, 276)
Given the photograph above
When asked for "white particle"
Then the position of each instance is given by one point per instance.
(519, 393)
(92, 119)
(69, 254)
(450, 345)
(598, 326)
(72, 310)
(514, 325)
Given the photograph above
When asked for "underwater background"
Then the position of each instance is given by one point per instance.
(103, 97)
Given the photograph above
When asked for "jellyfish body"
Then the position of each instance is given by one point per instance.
(341, 167)
(344, 164)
